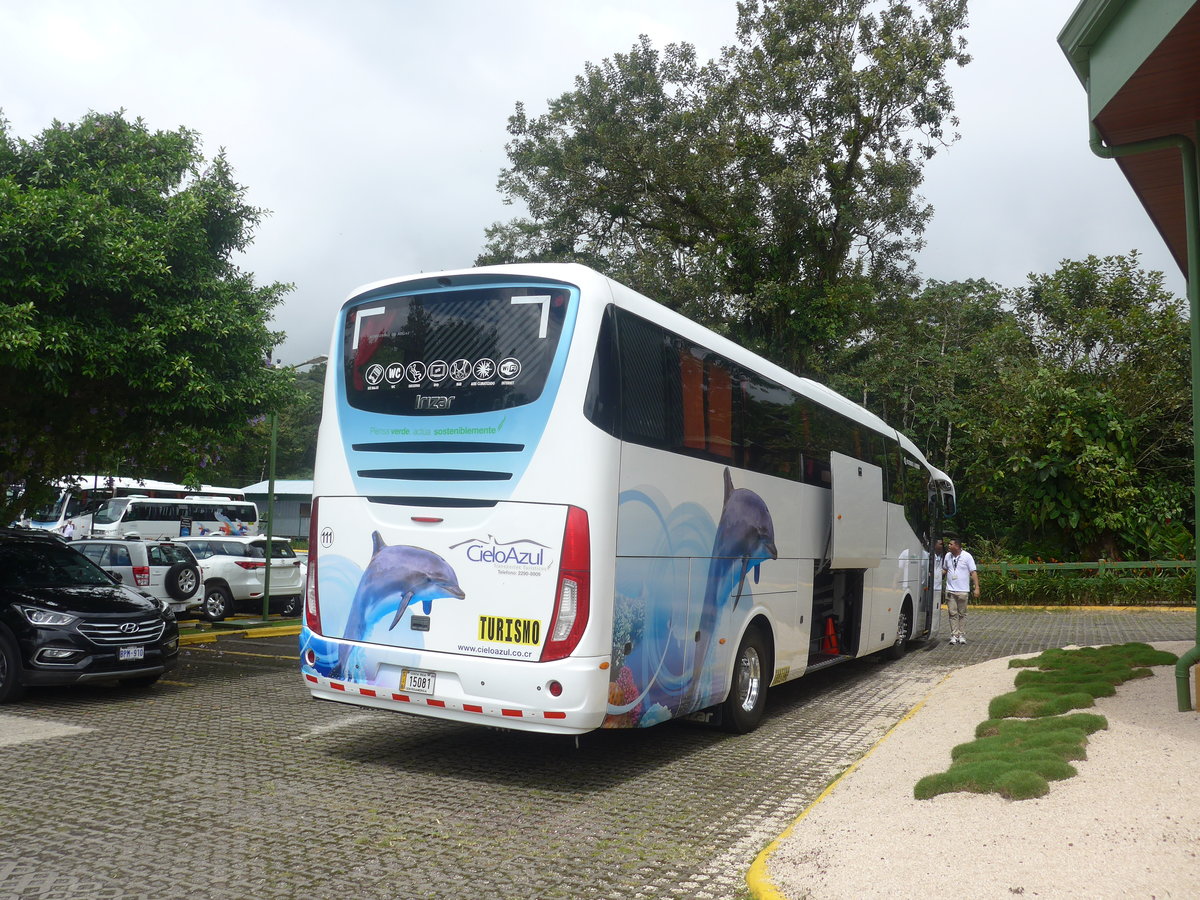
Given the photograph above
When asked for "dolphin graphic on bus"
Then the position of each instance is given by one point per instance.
(745, 539)
(396, 577)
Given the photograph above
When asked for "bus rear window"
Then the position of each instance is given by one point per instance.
(452, 352)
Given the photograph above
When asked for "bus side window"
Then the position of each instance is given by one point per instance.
(719, 396)
(601, 403)
(650, 385)
(691, 377)
(772, 436)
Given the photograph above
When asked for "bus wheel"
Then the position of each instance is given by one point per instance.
(898, 649)
(747, 699)
(217, 603)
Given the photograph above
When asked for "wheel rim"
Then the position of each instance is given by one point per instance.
(749, 679)
(214, 604)
(187, 582)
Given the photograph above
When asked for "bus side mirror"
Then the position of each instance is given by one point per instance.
(949, 505)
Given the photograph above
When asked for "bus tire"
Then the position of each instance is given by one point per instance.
(217, 603)
(743, 708)
(181, 580)
(10, 669)
(900, 647)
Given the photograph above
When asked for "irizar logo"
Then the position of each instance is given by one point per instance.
(524, 555)
(430, 402)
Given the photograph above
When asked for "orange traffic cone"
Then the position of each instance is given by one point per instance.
(829, 644)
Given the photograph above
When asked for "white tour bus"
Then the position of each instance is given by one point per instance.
(545, 502)
(161, 518)
(83, 494)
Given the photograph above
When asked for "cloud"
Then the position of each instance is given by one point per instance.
(374, 131)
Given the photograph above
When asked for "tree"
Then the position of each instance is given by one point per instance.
(246, 462)
(771, 192)
(1096, 444)
(132, 343)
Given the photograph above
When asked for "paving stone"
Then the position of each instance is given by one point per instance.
(230, 782)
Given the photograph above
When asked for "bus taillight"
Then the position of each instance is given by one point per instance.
(574, 578)
(312, 609)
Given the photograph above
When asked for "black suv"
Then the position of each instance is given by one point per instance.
(63, 619)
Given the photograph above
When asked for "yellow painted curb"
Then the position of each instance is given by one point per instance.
(757, 878)
(206, 637)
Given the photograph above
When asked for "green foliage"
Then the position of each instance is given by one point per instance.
(1094, 445)
(1062, 409)
(132, 341)
(771, 191)
(1117, 659)
(1090, 587)
(247, 460)
(1018, 757)
(928, 362)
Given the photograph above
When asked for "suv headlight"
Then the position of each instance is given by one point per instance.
(38, 616)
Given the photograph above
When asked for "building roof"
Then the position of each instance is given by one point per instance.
(1140, 63)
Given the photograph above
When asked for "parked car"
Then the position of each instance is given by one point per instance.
(64, 620)
(233, 574)
(163, 569)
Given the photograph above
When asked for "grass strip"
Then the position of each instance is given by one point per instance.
(1031, 735)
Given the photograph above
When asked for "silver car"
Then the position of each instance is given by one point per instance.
(165, 570)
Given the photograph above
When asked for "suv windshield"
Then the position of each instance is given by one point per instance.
(38, 565)
(454, 351)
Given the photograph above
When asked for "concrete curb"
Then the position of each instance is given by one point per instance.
(758, 880)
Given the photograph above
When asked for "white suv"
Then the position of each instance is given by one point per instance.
(166, 570)
(233, 574)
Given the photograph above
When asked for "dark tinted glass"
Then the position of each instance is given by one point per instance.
(452, 352)
(657, 389)
(30, 565)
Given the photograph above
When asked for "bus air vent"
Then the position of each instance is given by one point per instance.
(446, 502)
(435, 474)
(438, 447)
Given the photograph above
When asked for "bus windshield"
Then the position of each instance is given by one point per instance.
(110, 512)
(454, 351)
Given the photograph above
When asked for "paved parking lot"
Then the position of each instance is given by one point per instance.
(227, 781)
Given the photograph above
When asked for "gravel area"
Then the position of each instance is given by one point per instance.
(1125, 826)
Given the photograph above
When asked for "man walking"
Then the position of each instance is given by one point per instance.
(961, 575)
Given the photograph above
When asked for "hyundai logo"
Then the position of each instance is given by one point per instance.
(129, 627)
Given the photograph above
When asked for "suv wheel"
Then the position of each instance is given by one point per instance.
(10, 670)
(291, 607)
(181, 580)
(217, 603)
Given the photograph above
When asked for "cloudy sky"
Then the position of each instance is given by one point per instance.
(373, 130)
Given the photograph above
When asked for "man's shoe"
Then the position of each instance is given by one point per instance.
(961, 639)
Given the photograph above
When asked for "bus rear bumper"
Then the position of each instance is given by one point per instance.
(500, 693)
